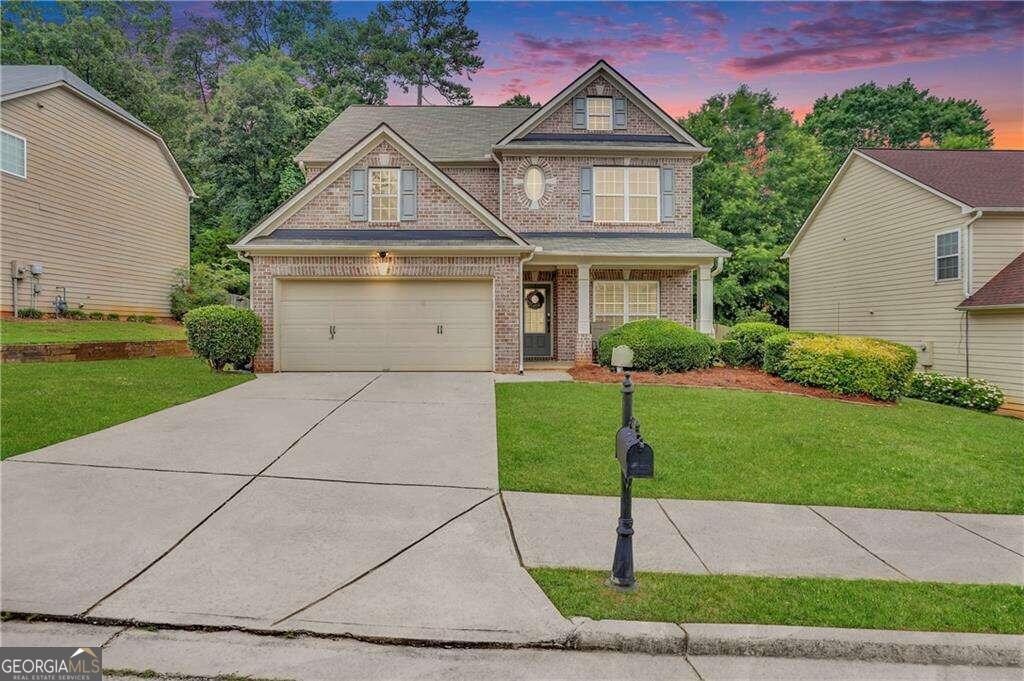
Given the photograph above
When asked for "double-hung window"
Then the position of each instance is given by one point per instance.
(619, 302)
(384, 194)
(599, 113)
(13, 154)
(947, 255)
(626, 194)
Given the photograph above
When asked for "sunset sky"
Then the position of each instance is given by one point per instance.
(681, 53)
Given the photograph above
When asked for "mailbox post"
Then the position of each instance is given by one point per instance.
(636, 460)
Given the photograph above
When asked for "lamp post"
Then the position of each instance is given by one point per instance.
(636, 460)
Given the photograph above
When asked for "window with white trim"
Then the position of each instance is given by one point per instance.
(627, 194)
(13, 154)
(947, 255)
(384, 194)
(620, 302)
(599, 113)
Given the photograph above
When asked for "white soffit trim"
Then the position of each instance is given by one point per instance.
(639, 98)
(842, 171)
(350, 158)
(143, 129)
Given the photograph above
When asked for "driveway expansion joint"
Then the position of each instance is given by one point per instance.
(511, 530)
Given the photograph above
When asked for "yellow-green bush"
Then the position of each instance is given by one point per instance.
(848, 365)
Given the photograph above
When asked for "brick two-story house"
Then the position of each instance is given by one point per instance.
(480, 238)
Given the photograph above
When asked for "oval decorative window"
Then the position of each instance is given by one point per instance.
(533, 183)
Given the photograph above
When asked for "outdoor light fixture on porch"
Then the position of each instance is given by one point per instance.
(636, 460)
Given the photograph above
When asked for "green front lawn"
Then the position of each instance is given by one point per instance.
(46, 402)
(859, 603)
(67, 331)
(751, 446)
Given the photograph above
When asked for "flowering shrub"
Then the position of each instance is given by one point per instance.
(848, 365)
(969, 393)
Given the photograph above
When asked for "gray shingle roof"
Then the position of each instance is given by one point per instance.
(384, 238)
(625, 243)
(450, 133)
(15, 79)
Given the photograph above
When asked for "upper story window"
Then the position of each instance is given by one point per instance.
(599, 113)
(627, 194)
(533, 183)
(947, 255)
(14, 156)
(384, 194)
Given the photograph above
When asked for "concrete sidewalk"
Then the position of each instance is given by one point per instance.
(731, 537)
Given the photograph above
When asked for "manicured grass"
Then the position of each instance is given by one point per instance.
(67, 331)
(46, 402)
(861, 603)
(742, 445)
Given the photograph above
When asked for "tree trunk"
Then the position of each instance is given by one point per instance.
(419, 91)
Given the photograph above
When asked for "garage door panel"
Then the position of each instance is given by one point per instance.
(385, 325)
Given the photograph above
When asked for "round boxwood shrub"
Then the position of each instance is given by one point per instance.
(970, 393)
(730, 352)
(848, 365)
(659, 345)
(223, 334)
(751, 337)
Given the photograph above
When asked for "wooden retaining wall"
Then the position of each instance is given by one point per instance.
(85, 352)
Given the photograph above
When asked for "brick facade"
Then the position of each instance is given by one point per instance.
(480, 182)
(503, 271)
(436, 208)
(637, 122)
(559, 209)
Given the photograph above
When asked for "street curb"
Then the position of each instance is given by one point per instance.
(910, 647)
(667, 638)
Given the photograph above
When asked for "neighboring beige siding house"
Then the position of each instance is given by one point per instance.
(916, 246)
(482, 238)
(89, 195)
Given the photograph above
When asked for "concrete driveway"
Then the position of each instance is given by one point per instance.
(344, 503)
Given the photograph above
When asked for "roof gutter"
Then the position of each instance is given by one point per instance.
(367, 249)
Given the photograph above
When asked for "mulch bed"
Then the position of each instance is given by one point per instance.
(718, 377)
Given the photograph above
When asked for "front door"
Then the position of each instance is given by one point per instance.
(537, 321)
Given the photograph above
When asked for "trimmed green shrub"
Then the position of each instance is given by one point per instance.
(730, 352)
(75, 313)
(659, 345)
(113, 317)
(848, 365)
(754, 316)
(147, 318)
(969, 393)
(223, 335)
(95, 315)
(30, 313)
(751, 337)
(132, 318)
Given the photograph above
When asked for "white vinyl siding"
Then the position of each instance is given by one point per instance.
(619, 302)
(947, 255)
(599, 114)
(627, 194)
(384, 194)
(14, 156)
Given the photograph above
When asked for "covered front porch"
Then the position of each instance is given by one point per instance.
(577, 287)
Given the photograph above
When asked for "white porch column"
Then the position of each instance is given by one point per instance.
(706, 297)
(583, 338)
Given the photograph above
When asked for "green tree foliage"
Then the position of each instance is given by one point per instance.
(751, 194)
(519, 99)
(900, 116)
(432, 45)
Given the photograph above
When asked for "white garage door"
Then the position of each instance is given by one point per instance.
(411, 325)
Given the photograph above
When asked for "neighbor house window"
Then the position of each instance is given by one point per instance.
(533, 183)
(947, 255)
(627, 194)
(620, 302)
(384, 194)
(14, 154)
(599, 113)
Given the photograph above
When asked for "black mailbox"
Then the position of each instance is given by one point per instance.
(635, 456)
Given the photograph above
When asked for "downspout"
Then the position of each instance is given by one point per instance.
(522, 261)
(968, 265)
